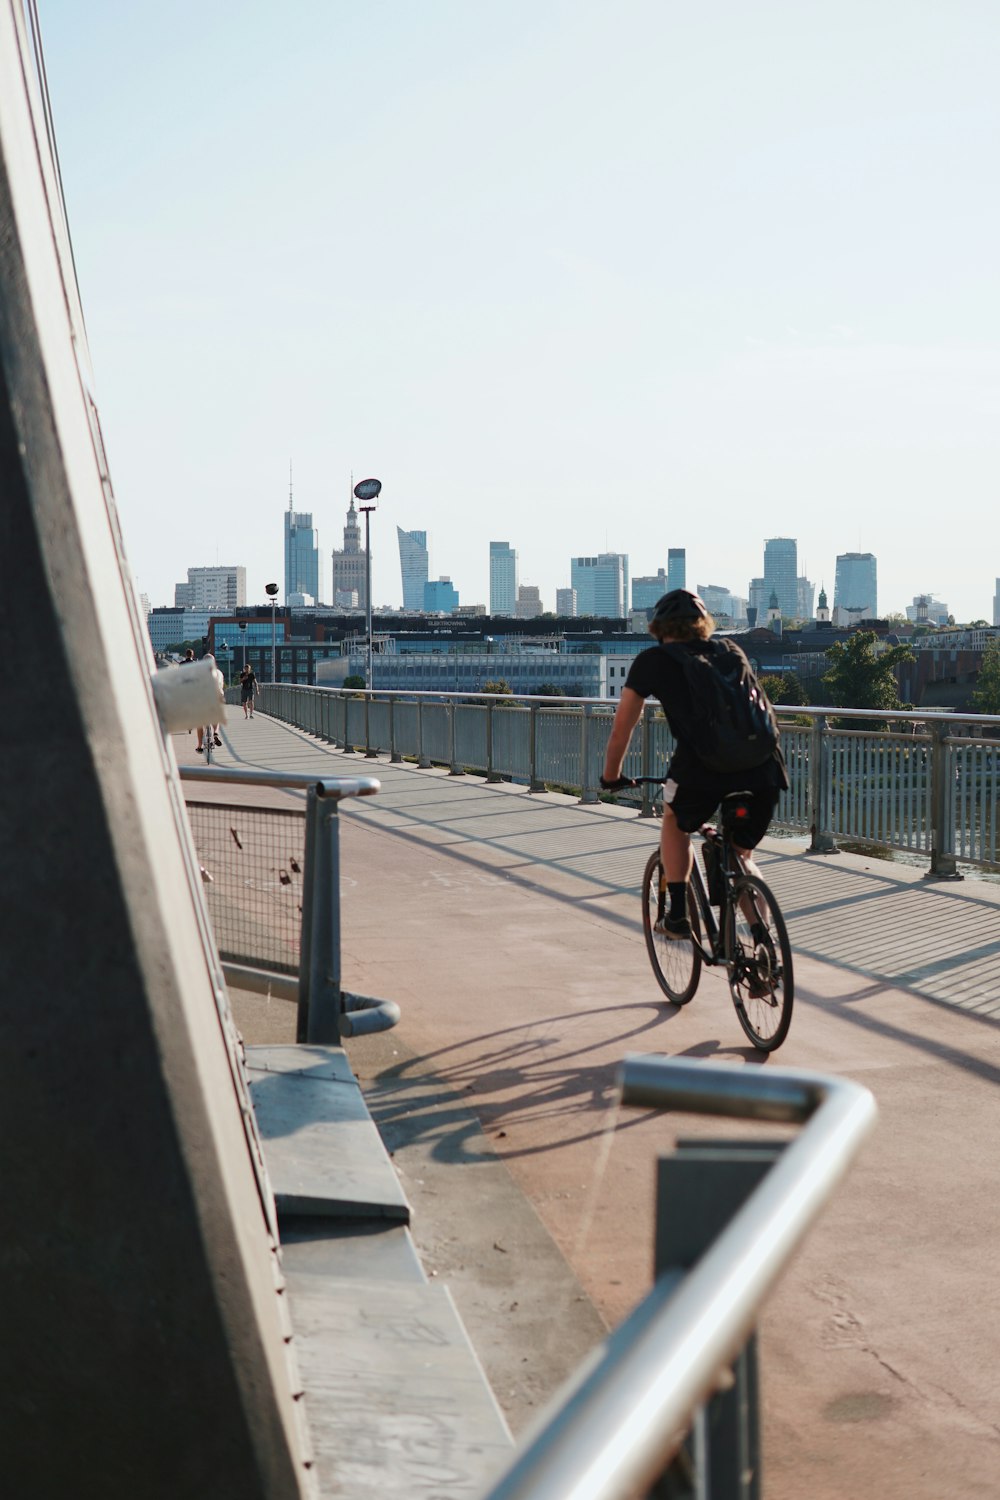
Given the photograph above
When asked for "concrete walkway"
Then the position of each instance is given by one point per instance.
(507, 927)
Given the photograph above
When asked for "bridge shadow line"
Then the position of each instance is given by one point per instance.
(550, 1088)
(843, 1009)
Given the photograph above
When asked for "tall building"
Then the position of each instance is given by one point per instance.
(212, 588)
(759, 598)
(781, 574)
(676, 568)
(648, 589)
(566, 602)
(529, 602)
(301, 555)
(413, 567)
(503, 578)
(996, 604)
(806, 595)
(440, 597)
(926, 610)
(601, 585)
(349, 562)
(855, 588)
(721, 603)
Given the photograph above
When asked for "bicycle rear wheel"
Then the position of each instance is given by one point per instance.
(759, 963)
(677, 965)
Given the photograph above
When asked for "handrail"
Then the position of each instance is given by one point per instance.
(326, 786)
(614, 1427)
(513, 700)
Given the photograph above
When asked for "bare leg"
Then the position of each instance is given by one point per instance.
(749, 864)
(675, 849)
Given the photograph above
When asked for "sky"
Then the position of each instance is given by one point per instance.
(577, 276)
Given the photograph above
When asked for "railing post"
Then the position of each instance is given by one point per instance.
(588, 792)
(320, 998)
(646, 810)
(394, 755)
(534, 785)
(423, 764)
(348, 747)
(700, 1188)
(454, 768)
(943, 863)
(492, 775)
(819, 772)
(370, 751)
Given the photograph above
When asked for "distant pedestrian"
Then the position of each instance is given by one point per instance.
(248, 691)
(200, 747)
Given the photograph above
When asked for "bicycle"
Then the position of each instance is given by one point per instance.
(749, 937)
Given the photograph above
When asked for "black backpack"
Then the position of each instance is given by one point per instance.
(728, 720)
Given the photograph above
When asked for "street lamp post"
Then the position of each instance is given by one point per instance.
(243, 643)
(271, 589)
(366, 492)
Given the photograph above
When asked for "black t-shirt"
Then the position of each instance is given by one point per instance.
(654, 674)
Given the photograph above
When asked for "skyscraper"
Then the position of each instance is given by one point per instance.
(996, 604)
(566, 602)
(807, 593)
(601, 584)
(676, 568)
(781, 574)
(648, 589)
(503, 578)
(301, 554)
(349, 562)
(413, 567)
(212, 588)
(855, 588)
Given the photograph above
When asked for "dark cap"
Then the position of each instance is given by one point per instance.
(680, 604)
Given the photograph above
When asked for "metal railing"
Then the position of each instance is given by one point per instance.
(618, 1425)
(928, 784)
(272, 888)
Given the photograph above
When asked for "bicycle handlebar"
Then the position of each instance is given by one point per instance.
(624, 782)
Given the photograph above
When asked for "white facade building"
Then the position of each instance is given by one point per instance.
(212, 588)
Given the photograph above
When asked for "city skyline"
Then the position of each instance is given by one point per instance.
(780, 561)
(780, 319)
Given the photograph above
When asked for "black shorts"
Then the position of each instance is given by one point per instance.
(693, 802)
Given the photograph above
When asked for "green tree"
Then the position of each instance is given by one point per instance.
(549, 690)
(986, 698)
(784, 688)
(860, 676)
(499, 687)
(354, 680)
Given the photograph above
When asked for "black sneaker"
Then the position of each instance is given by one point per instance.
(675, 928)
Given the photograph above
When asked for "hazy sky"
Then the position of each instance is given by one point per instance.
(576, 276)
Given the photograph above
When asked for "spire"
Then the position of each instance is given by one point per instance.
(289, 486)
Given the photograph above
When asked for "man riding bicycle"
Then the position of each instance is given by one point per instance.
(692, 789)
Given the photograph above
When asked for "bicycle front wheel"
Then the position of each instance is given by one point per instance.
(759, 963)
(677, 965)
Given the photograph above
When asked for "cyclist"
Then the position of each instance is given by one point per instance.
(692, 791)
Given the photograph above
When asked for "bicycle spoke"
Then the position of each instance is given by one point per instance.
(759, 961)
(676, 964)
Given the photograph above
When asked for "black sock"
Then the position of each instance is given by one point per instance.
(678, 897)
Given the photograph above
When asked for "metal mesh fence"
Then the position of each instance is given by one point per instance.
(253, 861)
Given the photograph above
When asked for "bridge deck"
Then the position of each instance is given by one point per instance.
(507, 927)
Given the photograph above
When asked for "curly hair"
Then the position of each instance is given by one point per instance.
(682, 630)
